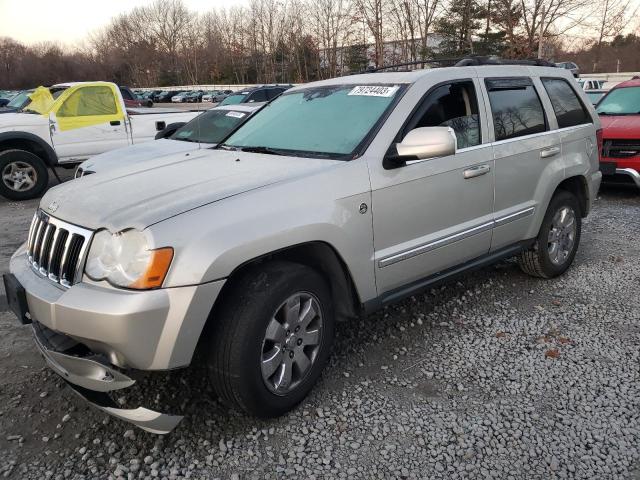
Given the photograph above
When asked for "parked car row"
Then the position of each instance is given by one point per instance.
(241, 238)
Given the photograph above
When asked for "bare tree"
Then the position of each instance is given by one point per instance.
(612, 17)
(373, 14)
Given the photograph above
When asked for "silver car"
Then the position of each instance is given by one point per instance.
(338, 198)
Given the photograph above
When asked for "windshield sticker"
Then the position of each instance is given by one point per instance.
(233, 114)
(374, 91)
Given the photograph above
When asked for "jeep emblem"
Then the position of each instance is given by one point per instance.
(53, 206)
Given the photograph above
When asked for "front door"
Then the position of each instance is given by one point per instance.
(437, 213)
(88, 121)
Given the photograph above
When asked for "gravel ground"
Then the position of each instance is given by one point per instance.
(496, 376)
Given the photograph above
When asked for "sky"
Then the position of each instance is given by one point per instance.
(68, 22)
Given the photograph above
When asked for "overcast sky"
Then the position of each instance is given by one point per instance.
(69, 21)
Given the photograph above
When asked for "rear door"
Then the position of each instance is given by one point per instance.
(88, 121)
(526, 151)
(575, 126)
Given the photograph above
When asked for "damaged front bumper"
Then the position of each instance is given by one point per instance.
(92, 377)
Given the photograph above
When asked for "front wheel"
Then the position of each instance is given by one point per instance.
(557, 242)
(272, 338)
(23, 175)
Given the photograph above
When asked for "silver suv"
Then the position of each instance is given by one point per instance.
(336, 199)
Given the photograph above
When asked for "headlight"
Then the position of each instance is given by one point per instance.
(125, 259)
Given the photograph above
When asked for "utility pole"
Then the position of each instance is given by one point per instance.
(541, 34)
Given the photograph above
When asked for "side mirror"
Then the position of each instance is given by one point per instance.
(422, 143)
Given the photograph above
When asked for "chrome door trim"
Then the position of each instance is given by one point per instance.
(427, 247)
(512, 217)
(449, 239)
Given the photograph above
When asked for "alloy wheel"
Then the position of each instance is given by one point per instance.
(19, 176)
(562, 235)
(291, 343)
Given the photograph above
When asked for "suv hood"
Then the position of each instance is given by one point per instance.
(140, 152)
(142, 194)
(621, 127)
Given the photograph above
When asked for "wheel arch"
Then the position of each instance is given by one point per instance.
(577, 185)
(318, 255)
(31, 143)
(323, 258)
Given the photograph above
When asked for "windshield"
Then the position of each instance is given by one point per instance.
(234, 99)
(20, 101)
(620, 101)
(211, 126)
(325, 121)
(594, 96)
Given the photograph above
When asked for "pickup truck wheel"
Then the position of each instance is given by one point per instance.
(272, 338)
(23, 175)
(557, 242)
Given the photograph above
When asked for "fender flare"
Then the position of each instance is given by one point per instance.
(50, 157)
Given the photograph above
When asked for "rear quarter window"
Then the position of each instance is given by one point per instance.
(515, 107)
(567, 106)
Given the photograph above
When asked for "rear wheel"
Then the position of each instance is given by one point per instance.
(272, 338)
(557, 242)
(23, 175)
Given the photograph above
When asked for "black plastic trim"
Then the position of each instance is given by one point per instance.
(51, 158)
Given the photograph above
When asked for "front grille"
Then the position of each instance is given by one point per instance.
(620, 148)
(56, 249)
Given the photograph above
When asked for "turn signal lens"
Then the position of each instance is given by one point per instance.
(156, 270)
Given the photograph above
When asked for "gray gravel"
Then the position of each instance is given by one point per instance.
(496, 376)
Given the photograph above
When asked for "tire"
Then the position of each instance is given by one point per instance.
(238, 344)
(543, 260)
(20, 164)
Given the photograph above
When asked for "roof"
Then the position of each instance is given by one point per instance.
(415, 75)
(629, 83)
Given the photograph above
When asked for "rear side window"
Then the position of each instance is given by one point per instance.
(566, 104)
(516, 108)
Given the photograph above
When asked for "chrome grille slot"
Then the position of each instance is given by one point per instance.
(56, 249)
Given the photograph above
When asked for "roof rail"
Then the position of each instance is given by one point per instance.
(426, 61)
(470, 61)
(476, 61)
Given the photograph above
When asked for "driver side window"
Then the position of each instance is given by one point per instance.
(89, 101)
(452, 105)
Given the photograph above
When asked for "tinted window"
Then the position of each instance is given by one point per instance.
(566, 104)
(126, 94)
(274, 92)
(454, 105)
(258, 96)
(211, 126)
(515, 107)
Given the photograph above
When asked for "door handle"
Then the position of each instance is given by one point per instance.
(476, 171)
(549, 152)
(114, 123)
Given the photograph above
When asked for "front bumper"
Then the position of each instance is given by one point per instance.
(146, 330)
(629, 174)
(89, 333)
(92, 378)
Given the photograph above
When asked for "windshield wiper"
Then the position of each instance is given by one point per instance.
(28, 110)
(267, 150)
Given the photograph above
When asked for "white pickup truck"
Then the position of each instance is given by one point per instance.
(66, 124)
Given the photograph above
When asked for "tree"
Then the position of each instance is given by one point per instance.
(611, 17)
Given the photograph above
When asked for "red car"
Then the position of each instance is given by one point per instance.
(619, 112)
(131, 100)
